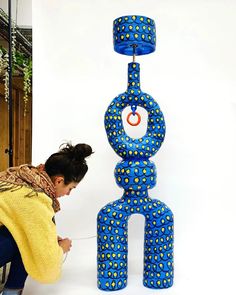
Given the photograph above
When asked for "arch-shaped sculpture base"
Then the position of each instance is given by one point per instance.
(113, 243)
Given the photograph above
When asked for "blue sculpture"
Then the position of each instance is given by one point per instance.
(135, 35)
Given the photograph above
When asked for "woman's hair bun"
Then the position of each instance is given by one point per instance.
(77, 152)
(82, 150)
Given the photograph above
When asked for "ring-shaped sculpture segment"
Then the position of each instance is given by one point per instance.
(137, 175)
(134, 30)
(124, 145)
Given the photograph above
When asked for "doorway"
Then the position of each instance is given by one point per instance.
(21, 89)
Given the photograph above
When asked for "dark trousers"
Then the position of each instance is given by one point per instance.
(9, 252)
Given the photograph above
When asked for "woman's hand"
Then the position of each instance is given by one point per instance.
(66, 244)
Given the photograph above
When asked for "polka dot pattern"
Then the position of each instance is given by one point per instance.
(112, 242)
(136, 174)
(134, 29)
(124, 145)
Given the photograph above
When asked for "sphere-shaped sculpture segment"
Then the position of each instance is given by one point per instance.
(134, 31)
(125, 146)
(137, 175)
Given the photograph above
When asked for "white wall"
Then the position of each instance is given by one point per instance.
(191, 75)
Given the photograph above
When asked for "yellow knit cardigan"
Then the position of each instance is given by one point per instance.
(29, 219)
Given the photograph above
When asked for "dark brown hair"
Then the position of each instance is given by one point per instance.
(69, 162)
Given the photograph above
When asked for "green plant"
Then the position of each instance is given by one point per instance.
(27, 83)
(21, 65)
(4, 72)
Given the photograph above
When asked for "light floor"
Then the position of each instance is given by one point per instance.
(194, 273)
(79, 273)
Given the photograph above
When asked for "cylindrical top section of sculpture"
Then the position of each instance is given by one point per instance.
(134, 34)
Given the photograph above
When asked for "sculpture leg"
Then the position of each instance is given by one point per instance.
(158, 246)
(112, 247)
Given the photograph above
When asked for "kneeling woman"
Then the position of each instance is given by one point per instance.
(28, 202)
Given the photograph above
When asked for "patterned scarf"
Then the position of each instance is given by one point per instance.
(33, 177)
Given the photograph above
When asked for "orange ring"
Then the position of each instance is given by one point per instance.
(128, 119)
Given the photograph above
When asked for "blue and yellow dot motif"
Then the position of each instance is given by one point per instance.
(136, 174)
(125, 146)
(134, 29)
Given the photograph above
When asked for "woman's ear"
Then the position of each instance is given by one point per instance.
(58, 179)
